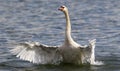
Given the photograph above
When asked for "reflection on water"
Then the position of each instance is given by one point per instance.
(39, 20)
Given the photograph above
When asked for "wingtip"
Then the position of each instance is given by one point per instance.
(92, 42)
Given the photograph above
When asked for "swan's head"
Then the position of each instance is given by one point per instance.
(63, 8)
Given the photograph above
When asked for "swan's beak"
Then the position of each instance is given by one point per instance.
(61, 8)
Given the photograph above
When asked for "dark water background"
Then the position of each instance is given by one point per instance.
(39, 20)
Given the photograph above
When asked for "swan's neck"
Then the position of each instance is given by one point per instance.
(68, 38)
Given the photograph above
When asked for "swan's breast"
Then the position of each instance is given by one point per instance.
(70, 54)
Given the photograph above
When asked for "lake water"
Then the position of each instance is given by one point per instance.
(40, 20)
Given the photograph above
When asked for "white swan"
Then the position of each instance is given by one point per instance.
(69, 52)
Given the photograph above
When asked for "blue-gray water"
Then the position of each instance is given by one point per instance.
(40, 20)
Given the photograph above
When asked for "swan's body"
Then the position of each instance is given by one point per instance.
(69, 52)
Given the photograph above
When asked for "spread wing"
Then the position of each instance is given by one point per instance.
(37, 53)
(87, 52)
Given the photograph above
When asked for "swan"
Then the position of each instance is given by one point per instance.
(68, 52)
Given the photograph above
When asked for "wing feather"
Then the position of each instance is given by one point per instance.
(37, 53)
(87, 52)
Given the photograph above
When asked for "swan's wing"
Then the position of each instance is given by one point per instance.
(37, 53)
(87, 52)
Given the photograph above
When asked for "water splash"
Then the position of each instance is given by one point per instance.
(98, 63)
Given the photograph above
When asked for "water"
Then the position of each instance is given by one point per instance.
(39, 20)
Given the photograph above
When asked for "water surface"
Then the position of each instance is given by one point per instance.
(40, 20)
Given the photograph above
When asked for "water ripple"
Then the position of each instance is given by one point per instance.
(39, 20)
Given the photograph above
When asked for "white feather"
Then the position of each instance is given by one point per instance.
(36, 53)
(92, 45)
